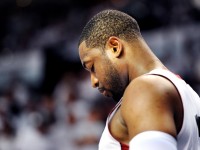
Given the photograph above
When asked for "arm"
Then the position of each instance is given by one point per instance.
(148, 110)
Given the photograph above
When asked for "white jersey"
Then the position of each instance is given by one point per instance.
(189, 136)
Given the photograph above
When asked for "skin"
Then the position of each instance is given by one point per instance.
(149, 102)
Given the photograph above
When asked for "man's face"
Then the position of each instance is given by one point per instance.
(104, 75)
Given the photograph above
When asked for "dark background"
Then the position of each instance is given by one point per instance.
(40, 70)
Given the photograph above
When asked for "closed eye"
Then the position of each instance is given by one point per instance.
(92, 68)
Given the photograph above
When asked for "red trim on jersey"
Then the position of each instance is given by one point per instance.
(124, 146)
(175, 74)
(178, 76)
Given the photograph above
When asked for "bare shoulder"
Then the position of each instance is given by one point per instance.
(149, 103)
(151, 86)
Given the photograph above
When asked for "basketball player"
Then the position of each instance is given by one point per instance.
(156, 109)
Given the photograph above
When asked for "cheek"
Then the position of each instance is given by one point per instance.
(103, 77)
(104, 73)
(100, 71)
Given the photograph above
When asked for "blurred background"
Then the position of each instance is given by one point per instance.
(46, 101)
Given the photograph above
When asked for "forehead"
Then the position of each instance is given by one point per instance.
(87, 54)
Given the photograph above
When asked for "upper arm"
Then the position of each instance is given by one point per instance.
(148, 104)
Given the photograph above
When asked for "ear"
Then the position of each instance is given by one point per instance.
(114, 46)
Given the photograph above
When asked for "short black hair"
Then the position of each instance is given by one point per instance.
(109, 23)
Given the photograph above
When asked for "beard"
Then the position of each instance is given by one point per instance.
(112, 79)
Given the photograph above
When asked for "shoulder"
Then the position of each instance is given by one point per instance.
(150, 86)
(148, 102)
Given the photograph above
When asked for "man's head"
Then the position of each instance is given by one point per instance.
(109, 23)
(101, 50)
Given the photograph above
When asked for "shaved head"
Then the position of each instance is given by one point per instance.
(109, 23)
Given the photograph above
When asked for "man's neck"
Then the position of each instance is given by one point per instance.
(138, 69)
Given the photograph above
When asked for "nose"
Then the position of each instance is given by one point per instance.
(94, 81)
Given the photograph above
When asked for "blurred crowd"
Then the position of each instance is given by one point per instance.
(46, 100)
(71, 118)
